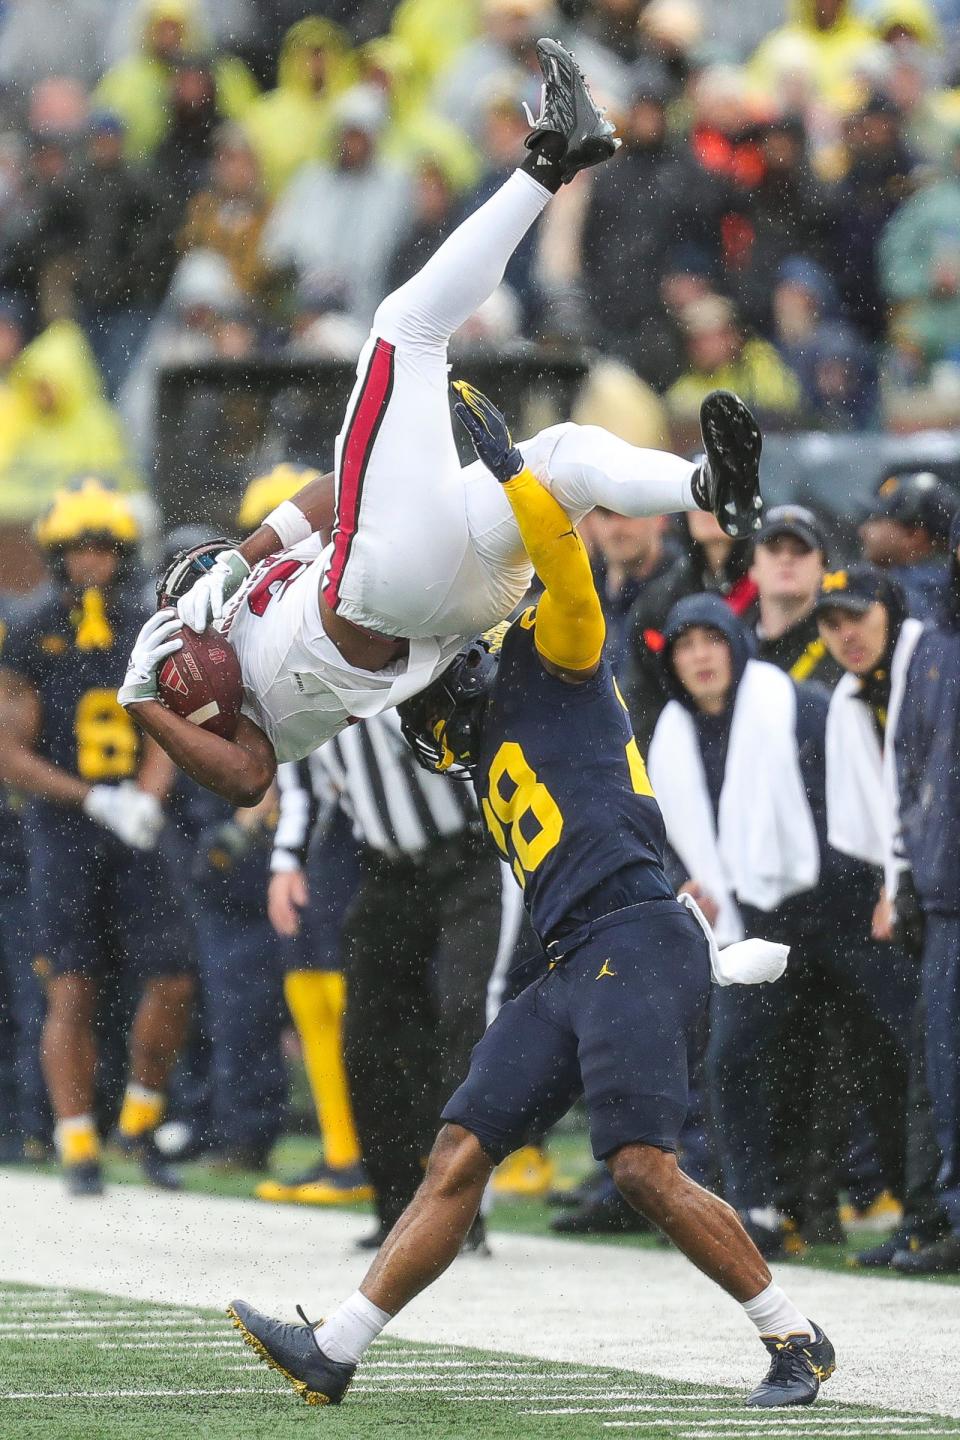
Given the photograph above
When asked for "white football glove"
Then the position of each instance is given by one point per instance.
(129, 812)
(159, 638)
(207, 598)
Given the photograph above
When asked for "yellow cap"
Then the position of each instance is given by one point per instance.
(86, 510)
(266, 492)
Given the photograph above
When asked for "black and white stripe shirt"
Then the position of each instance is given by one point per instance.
(396, 807)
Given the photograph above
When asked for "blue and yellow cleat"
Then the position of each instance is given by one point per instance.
(529, 1171)
(155, 1166)
(798, 1369)
(293, 1352)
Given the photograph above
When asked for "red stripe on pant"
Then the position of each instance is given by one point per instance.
(361, 434)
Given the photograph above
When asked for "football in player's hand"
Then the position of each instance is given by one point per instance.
(202, 682)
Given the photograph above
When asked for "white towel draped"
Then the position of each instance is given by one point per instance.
(863, 803)
(763, 848)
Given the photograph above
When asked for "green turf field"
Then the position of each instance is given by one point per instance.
(75, 1366)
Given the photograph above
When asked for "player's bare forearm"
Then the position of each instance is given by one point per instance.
(240, 770)
(20, 766)
(28, 772)
(570, 626)
(316, 500)
(157, 771)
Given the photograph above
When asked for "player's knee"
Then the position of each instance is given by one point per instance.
(647, 1178)
(457, 1162)
(394, 315)
(174, 992)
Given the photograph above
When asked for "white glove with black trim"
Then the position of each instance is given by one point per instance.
(159, 638)
(207, 598)
(127, 811)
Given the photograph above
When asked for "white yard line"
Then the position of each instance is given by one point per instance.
(550, 1299)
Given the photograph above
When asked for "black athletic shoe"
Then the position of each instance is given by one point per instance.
(940, 1257)
(476, 1242)
(85, 1179)
(798, 1369)
(728, 480)
(606, 1214)
(154, 1164)
(374, 1238)
(880, 1257)
(293, 1351)
(568, 109)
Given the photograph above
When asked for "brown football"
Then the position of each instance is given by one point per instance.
(202, 682)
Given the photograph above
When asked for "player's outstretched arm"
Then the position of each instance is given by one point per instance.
(310, 511)
(21, 767)
(569, 626)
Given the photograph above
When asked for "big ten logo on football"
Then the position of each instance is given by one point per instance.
(521, 814)
(273, 583)
(108, 747)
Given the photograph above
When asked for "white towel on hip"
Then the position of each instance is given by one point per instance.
(863, 802)
(747, 962)
(763, 847)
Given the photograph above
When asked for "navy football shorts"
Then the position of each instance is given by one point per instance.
(614, 1019)
(96, 903)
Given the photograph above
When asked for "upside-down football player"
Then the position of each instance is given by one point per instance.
(535, 717)
(423, 554)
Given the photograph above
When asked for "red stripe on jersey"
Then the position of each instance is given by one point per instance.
(361, 434)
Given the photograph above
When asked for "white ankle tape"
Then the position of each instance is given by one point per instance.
(290, 523)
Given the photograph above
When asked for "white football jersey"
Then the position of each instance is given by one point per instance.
(297, 686)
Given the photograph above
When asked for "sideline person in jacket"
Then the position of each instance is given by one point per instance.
(929, 786)
(737, 762)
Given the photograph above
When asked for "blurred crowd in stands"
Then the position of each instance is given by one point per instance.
(185, 179)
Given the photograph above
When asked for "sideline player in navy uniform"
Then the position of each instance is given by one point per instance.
(539, 723)
(97, 885)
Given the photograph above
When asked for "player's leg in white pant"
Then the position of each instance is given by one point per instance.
(401, 545)
(583, 466)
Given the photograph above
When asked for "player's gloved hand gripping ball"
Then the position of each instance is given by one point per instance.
(489, 432)
(158, 638)
(207, 598)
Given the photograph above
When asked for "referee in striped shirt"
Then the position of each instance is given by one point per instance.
(420, 941)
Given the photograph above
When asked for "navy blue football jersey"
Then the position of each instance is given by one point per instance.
(563, 786)
(12, 856)
(76, 674)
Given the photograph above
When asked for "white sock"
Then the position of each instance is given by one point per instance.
(774, 1313)
(351, 1329)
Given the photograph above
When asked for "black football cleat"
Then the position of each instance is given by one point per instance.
(881, 1255)
(728, 480)
(475, 1241)
(155, 1166)
(569, 110)
(606, 1213)
(798, 1368)
(940, 1257)
(84, 1179)
(293, 1351)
